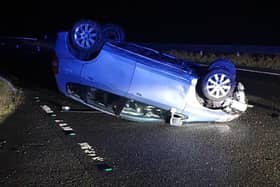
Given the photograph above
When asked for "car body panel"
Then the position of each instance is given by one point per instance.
(110, 72)
(69, 68)
(158, 88)
(138, 73)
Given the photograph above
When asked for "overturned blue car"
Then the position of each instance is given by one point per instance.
(97, 67)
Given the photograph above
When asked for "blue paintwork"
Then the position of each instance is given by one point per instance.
(138, 73)
(69, 67)
(124, 73)
(109, 71)
(159, 88)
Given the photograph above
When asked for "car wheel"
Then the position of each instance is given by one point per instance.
(224, 64)
(85, 39)
(217, 84)
(113, 33)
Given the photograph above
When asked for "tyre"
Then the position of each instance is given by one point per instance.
(224, 64)
(85, 39)
(217, 84)
(113, 33)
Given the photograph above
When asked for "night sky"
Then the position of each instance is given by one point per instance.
(152, 21)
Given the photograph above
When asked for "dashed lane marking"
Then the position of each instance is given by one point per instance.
(67, 128)
(63, 124)
(37, 99)
(86, 148)
(47, 109)
(90, 152)
(58, 120)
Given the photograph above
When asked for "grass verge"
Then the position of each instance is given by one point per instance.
(249, 60)
(9, 100)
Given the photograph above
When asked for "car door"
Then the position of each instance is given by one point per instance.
(110, 72)
(158, 86)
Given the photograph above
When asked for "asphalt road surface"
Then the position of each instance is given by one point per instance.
(82, 147)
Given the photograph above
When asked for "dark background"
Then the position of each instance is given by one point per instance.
(195, 22)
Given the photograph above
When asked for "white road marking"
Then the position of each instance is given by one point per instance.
(58, 120)
(47, 109)
(67, 128)
(85, 145)
(97, 158)
(92, 154)
(87, 149)
(63, 124)
(90, 151)
(260, 72)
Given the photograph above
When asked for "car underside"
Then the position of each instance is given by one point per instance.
(136, 111)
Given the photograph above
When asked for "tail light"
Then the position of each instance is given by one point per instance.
(54, 64)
